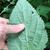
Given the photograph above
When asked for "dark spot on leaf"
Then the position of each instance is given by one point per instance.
(32, 12)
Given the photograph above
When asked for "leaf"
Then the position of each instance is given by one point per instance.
(34, 37)
(48, 25)
(43, 10)
(36, 2)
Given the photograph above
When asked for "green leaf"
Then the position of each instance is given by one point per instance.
(34, 37)
(48, 25)
(43, 10)
(36, 2)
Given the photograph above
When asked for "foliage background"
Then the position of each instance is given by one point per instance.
(42, 7)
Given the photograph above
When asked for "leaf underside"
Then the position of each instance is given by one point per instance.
(34, 36)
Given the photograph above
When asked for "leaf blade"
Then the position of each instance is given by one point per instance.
(34, 35)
